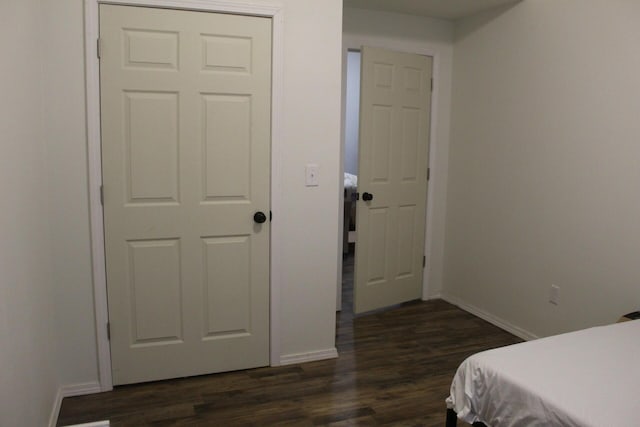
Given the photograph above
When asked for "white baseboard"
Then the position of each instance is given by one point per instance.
(432, 297)
(95, 424)
(497, 321)
(80, 389)
(69, 391)
(311, 356)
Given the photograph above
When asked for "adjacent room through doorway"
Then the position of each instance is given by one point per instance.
(352, 114)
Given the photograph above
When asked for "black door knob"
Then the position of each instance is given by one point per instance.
(367, 196)
(259, 217)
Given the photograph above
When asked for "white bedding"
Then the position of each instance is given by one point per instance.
(350, 181)
(585, 378)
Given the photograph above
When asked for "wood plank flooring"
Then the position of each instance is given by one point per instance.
(395, 368)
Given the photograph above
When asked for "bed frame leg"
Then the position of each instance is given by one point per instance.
(452, 418)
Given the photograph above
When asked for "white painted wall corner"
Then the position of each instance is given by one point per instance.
(70, 391)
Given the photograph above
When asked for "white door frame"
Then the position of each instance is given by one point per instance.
(355, 43)
(92, 70)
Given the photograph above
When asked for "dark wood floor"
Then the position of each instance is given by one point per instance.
(395, 368)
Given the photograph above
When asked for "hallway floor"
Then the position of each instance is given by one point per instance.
(395, 368)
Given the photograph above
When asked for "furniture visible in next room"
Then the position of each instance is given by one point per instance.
(350, 194)
(584, 378)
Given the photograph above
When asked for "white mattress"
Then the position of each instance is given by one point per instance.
(585, 378)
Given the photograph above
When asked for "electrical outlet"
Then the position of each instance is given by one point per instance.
(554, 295)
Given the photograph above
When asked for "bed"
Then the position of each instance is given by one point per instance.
(584, 378)
(350, 194)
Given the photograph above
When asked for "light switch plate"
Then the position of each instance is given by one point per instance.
(312, 179)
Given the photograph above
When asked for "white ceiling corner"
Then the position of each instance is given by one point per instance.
(444, 9)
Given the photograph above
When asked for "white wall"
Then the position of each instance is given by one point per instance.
(46, 297)
(68, 189)
(28, 345)
(417, 34)
(544, 164)
(352, 113)
(309, 215)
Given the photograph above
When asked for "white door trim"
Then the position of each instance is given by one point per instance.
(92, 68)
(355, 43)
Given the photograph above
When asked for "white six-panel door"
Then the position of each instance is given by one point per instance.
(395, 100)
(185, 113)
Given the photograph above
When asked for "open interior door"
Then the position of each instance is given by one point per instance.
(395, 103)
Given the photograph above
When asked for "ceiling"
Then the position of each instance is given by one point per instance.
(446, 9)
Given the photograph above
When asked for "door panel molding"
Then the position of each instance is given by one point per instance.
(92, 90)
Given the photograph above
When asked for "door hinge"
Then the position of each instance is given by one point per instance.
(99, 47)
(432, 84)
(102, 195)
(109, 331)
(424, 261)
(428, 174)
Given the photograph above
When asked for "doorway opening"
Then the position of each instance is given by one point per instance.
(387, 108)
(350, 158)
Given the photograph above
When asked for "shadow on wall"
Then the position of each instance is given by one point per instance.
(393, 25)
(475, 22)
